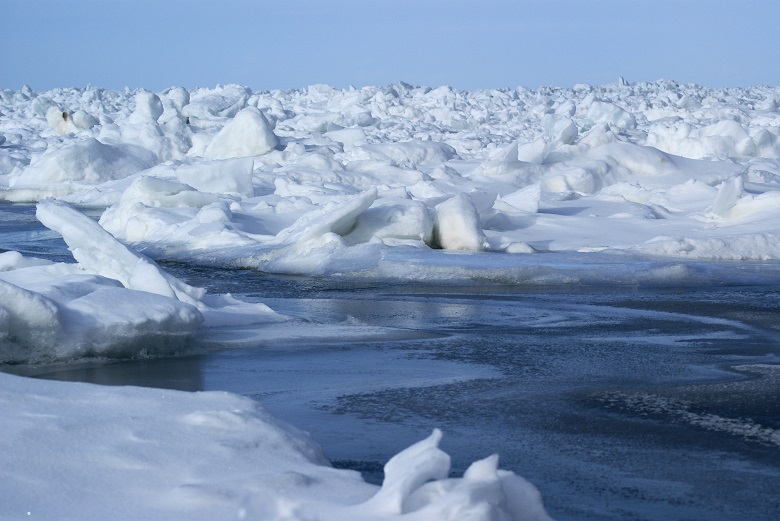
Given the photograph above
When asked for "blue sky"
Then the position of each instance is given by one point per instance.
(466, 44)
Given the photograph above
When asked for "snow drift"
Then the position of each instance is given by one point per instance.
(153, 454)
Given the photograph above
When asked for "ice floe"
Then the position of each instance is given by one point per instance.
(112, 302)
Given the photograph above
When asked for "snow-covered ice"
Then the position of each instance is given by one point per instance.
(112, 302)
(326, 181)
(625, 183)
(78, 451)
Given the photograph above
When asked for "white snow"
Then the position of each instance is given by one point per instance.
(113, 302)
(621, 184)
(227, 176)
(78, 451)
(457, 225)
(71, 168)
(247, 134)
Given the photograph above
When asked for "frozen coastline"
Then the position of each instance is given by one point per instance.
(655, 183)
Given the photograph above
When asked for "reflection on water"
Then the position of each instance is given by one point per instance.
(183, 374)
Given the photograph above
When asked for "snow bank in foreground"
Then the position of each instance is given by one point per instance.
(323, 181)
(114, 302)
(88, 452)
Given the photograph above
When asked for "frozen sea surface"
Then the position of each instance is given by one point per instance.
(582, 280)
(616, 402)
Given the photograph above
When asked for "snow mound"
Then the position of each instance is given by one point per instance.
(73, 167)
(457, 225)
(114, 302)
(59, 312)
(247, 134)
(156, 454)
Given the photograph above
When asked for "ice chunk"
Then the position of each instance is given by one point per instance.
(408, 470)
(82, 120)
(416, 486)
(348, 136)
(248, 134)
(606, 112)
(13, 260)
(729, 192)
(160, 192)
(515, 164)
(148, 108)
(221, 177)
(533, 152)
(222, 102)
(99, 252)
(764, 207)
(410, 154)
(394, 219)
(338, 218)
(178, 97)
(114, 303)
(29, 313)
(41, 105)
(56, 312)
(560, 130)
(143, 130)
(457, 225)
(525, 200)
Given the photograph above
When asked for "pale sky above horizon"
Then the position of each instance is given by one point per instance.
(156, 44)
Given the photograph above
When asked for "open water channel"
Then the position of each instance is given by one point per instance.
(616, 402)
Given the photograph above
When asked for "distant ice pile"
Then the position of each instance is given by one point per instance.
(326, 181)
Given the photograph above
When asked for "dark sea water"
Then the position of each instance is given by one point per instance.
(616, 402)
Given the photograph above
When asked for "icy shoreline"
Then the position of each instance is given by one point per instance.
(655, 183)
(130, 453)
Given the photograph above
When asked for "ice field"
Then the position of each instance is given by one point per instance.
(257, 179)
(620, 185)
